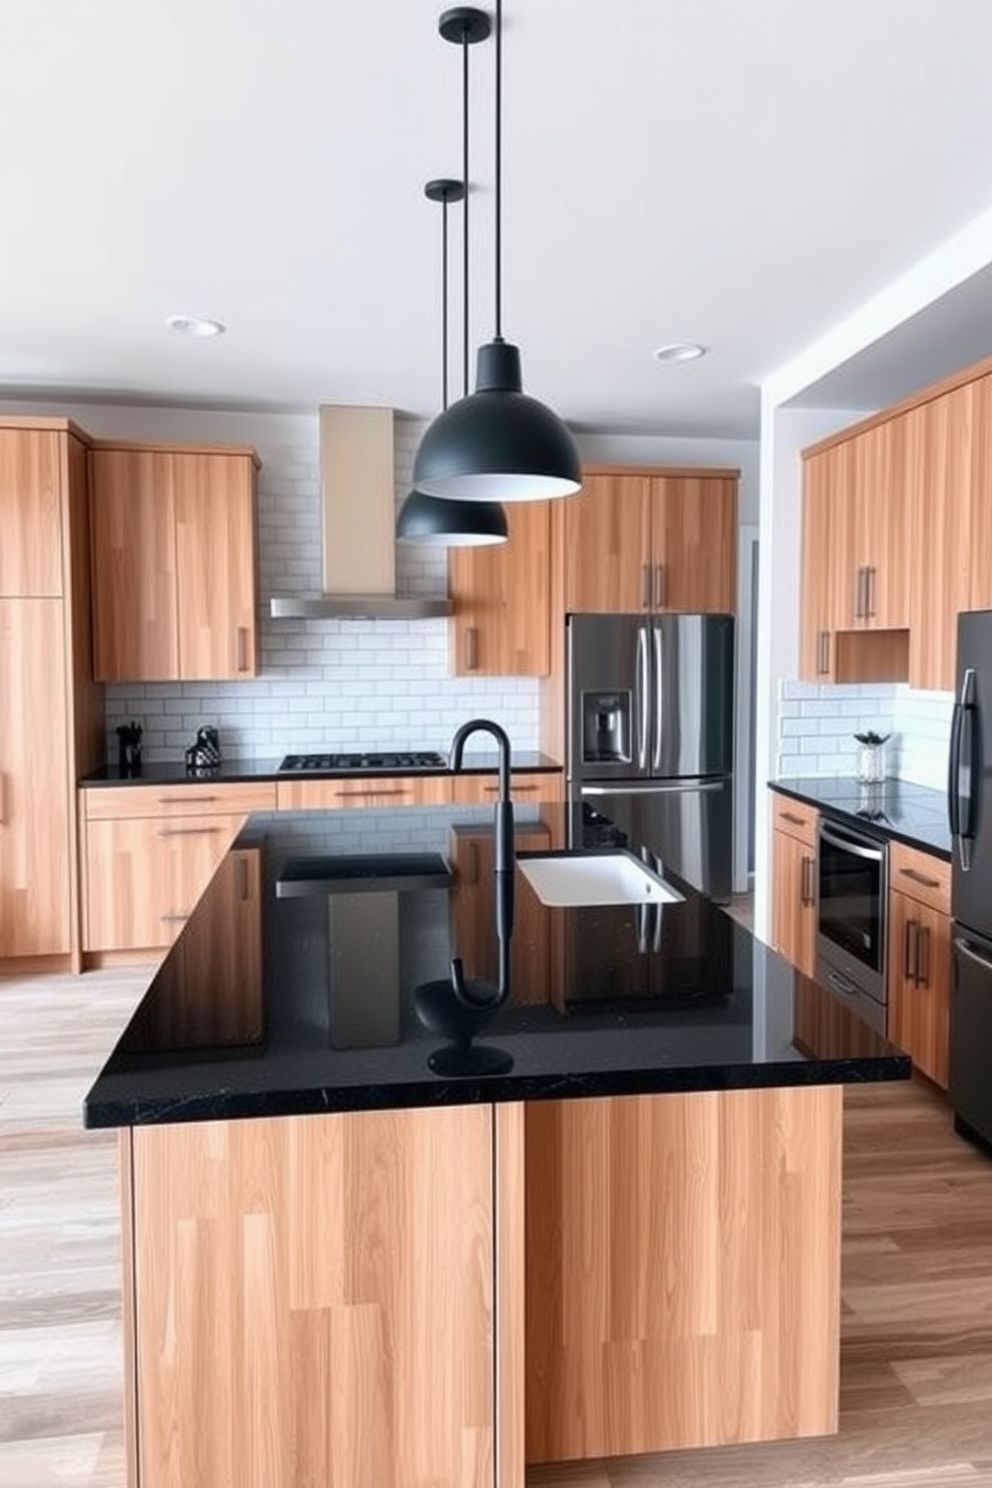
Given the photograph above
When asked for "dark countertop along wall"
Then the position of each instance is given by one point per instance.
(915, 814)
(175, 773)
(360, 920)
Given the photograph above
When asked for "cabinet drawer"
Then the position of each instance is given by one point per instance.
(794, 817)
(199, 798)
(385, 790)
(469, 790)
(922, 876)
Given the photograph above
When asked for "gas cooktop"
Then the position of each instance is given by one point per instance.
(410, 759)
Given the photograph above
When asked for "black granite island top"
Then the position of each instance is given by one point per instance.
(915, 814)
(340, 998)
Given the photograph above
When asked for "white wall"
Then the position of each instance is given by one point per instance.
(335, 684)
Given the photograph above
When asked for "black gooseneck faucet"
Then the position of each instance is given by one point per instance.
(503, 857)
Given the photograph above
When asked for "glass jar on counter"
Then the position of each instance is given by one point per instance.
(870, 763)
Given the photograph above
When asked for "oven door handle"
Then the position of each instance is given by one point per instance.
(857, 849)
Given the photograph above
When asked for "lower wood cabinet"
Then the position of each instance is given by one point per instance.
(919, 958)
(537, 785)
(794, 826)
(381, 790)
(150, 851)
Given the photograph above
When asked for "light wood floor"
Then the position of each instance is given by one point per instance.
(916, 1377)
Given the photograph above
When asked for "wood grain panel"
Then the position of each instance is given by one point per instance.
(510, 1240)
(694, 543)
(921, 875)
(135, 611)
(469, 790)
(30, 513)
(197, 798)
(824, 552)
(794, 900)
(314, 1301)
(607, 543)
(472, 853)
(216, 565)
(501, 623)
(144, 876)
(940, 436)
(383, 790)
(795, 817)
(919, 983)
(208, 992)
(884, 517)
(682, 1270)
(34, 788)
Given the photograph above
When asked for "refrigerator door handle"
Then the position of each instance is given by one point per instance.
(642, 695)
(656, 788)
(658, 680)
(960, 803)
(960, 944)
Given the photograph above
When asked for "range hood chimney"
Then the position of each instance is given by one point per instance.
(357, 478)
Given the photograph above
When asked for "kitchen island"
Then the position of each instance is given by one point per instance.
(368, 1242)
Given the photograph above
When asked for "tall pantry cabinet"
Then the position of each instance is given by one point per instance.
(51, 710)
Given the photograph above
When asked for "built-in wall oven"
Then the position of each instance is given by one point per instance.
(852, 888)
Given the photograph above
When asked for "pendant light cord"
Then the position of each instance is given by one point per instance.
(444, 302)
(499, 171)
(465, 180)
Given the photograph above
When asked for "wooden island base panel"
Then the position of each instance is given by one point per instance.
(314, 1300)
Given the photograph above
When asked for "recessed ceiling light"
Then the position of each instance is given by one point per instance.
(195, 325)
(679, 351)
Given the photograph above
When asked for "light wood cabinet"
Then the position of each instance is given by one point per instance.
(311, 1300)
(208, 991)
(651, 540)
(174, 555)
(473, 927)
(34, 800)
(150, 852)
(919, 958)
(367, 790)
(537, 785)
(880, 529)
(501, 621)
(794, 827)
(51, 712)
(826, 477)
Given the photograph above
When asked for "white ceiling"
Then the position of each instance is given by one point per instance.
(744, 175)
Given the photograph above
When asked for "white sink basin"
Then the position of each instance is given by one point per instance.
(567, 880)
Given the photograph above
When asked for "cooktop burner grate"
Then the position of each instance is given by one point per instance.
(410, 759)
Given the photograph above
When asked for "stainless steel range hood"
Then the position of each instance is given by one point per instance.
(357, 478)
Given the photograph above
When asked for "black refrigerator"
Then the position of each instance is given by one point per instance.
(969, 809)
(650, 730)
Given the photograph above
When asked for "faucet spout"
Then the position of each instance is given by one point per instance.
(484, 726)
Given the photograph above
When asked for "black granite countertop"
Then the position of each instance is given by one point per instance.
(915, 814)
(169, 772)
(344, 1002)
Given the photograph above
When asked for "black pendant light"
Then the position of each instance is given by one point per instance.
(497, 444)
(431, 520)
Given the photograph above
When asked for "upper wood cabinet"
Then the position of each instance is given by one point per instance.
(651, 540)
(879, 529)
(174, 562)
(30, 513)
(501, 622)
(826, 479)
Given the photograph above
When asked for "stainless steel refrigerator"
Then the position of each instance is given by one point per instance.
(650, 728)
(969, 809)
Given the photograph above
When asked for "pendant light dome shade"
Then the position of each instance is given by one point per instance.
(436, 523)
(497, 444)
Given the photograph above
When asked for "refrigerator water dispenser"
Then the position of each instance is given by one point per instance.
(606, 727)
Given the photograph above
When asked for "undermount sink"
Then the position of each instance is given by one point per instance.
(566, 880)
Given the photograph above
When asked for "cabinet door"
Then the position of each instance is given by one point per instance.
(938, 438)
(794, 901)
(382, 790)
(693, 543)
(209, 990)
(135, 621)
(470, 790)
(816, 642)
(215, 564)
(30, 512)
(144, 877)
(919, 983)
(34, 785)
(607, 545)
(883, 516)
(473, 934)
(501, 624)
(979, 539)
